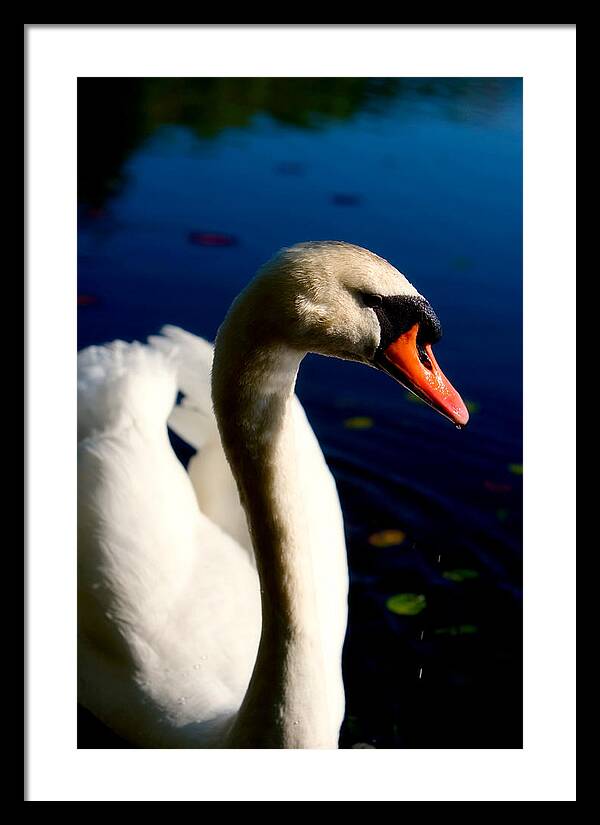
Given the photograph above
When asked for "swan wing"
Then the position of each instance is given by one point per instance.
(194, 421)
(168, 603)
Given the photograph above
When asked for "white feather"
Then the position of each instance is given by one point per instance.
(169, 609)
(169, 596)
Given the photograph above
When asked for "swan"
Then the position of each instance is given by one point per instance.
(212, 603)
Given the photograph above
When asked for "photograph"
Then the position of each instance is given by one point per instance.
(278, 549)
(300, 413)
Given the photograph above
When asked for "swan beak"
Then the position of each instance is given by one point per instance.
(413, 365)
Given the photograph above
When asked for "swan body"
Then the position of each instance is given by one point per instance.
(158, 677)
(212, 602)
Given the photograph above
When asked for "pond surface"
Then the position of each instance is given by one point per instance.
(187, 187)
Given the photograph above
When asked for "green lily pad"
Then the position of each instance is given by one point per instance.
(460, 575)
(516, 469)
(359, 422)
(456, 630)
(406, 604)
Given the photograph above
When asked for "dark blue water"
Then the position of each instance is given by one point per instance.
(187, 187)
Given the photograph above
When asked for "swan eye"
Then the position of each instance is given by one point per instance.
(372, 300)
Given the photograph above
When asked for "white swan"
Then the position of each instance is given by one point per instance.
(190, 634)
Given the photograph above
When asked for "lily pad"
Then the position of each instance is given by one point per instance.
(387, 538)
(456, 630)
(407, 604)
(460, 575)
(211, 239)
(86, 300)
(495, 487)
(359, 422)
(516, 469)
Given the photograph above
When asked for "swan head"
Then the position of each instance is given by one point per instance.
(344, 301)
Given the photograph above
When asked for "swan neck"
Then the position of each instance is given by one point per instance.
(255, 417)
(253, 395)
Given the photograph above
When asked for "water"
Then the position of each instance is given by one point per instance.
(187, 187)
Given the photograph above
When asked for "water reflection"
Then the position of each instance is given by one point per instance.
(116, 114)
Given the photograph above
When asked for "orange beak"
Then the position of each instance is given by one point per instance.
(414, 366)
